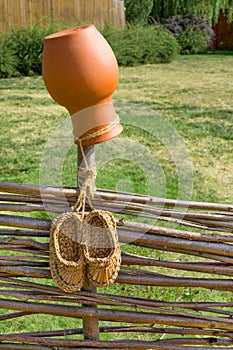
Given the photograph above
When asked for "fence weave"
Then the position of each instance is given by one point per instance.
(207, 263)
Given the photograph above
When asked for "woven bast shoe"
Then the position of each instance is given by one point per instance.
(67, 263)
(101, 249)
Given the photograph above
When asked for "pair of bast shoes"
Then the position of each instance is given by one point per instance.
(84, 248)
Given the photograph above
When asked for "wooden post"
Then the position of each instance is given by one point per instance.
(90, 324)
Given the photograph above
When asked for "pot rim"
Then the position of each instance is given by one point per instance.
(69, 31)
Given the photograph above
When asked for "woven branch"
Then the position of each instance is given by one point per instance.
(128, 329)
(136, 235)
(28, 208)
(23, 346)
(108, 195)
(119, 344)
(131, 276)
(129, 259)
(134, 277)
(202, 220)
(221, 252)
(24, 222)
(207, 322)
(98, 345)
(156, 307)
(14, 315)
(206, 267)
(40, 291)
(213, 320)
(116, 206)
(23, 233)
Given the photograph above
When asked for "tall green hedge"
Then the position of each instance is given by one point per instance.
(142, 45)
(21, 50)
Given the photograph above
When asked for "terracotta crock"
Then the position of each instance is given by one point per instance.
(80, 72)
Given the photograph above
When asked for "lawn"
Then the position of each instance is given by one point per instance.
(177, 143)
(188, 101)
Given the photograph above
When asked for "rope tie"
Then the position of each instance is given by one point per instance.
(84, 247)
(98, 132)
(88, 174)
(86, 191)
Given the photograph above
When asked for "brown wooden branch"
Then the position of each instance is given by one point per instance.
(29, 208)
(133, 276)
(221, 251)
(208, 322)
(206, 267)
(20, 271)
(129, 208)
(23, 232)
(14, 315)
(128, 329)
(36, 190)
(24, 222)
(35, 291)
(23, 346)
(135, 234)
(118, 344)
(129, 259)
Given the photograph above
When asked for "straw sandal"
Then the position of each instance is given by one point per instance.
(67, 263)
(101, 250)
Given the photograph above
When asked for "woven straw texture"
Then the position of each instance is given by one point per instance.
(66, 254)
(101, 249)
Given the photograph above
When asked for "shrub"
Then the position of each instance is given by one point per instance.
(21, 50)
(137, 11)
(136, 45)
(189, 29)
(8, 59)
(192, 41)
(28, 44)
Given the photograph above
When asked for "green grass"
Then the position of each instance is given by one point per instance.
(193, 94)
(177, 142)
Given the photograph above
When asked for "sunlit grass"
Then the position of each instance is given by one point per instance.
(193, 93)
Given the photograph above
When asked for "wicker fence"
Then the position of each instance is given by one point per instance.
(207, 250)
(29, 12)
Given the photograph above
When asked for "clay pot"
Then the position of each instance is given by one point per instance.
(81, 73)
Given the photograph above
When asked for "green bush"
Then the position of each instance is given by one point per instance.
(192, 41)
(28, 44)
(8, 59)
(21, 50)
(137, 11)
(136, 45)
(193, 33)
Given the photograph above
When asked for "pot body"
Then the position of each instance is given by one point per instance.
(80, 72)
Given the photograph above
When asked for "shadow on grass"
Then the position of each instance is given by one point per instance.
(221, 52)
(217, 123)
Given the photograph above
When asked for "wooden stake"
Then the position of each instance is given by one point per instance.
(90, 324)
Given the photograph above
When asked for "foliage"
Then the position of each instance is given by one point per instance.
(21, 50)
(193, 33)
(137, 11)
(135, 45)
(192, 42)
(8, 59)
(209, 9)
(24, 49)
